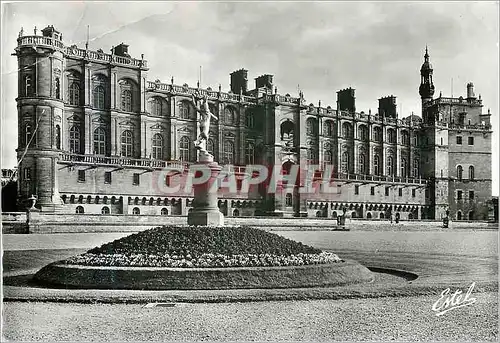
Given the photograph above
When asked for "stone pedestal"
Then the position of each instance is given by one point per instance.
(205, 209)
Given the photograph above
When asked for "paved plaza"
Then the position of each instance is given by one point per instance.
(370, 312)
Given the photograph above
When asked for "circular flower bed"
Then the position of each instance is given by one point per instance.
(203, 247)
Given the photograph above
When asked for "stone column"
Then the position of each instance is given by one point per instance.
(205, 210)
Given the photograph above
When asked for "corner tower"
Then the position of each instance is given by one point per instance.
(40, 107)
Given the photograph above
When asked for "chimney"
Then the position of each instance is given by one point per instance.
(121, 50)
(239, 81)
(470, 91)
(265, 81)
(346, 101)
(387, 106)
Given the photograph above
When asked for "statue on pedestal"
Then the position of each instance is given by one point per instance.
(204, 123)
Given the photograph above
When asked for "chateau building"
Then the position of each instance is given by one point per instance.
(96, 135)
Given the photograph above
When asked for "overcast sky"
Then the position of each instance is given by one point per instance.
(375, 47)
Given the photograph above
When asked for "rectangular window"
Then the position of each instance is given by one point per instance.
(471, 140)
(27, 174)
(387, 190)
(107, 177)
(372, 191)
(459, 140)
(413, 193)
(339, 189)
(81, 176)
(471, 195)
(356, 189)
(459, 195)
(135, 179)
(401, 192)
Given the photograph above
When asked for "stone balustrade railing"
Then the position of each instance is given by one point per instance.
(186, 90)
(74, 51)
(380, 178)
(461, 100)
(122, 161)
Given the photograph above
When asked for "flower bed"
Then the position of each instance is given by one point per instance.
(203, 247)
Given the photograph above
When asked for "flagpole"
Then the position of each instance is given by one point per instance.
(87, 42)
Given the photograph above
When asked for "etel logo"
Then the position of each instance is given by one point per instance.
(448, 302)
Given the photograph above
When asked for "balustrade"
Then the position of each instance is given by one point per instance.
(121, 161)
(75, 51)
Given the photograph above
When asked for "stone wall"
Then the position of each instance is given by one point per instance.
(57, 223)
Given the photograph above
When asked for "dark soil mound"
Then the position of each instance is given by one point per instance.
(196, 241)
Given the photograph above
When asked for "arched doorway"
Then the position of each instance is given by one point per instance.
(471, 215)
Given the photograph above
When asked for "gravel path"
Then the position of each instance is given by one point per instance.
(402, 319)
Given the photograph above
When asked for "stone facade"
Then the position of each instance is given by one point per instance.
(98, 135)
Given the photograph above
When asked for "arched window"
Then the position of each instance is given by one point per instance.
(98, 97)
(345, 162)
(57, 88)
(136, 211)
(74, 94)
(228, 152)
(157, 146)
(99, 141)
(57, 137)
(74, 140)
(460, 172)
(347, 130)
(28, 133)
(390, 166)
(377, 134)
(184, 149)
(127, 144)
(471, 172)
(376, 165)
(184, 109)
(363, 132)
(416, 167)
(404, 168)
(334, 214)
(288, 199)
(28, 86)
(229, 115)
(368, 215)
(328, 158)
(79, 210)
(405, 138)
(250, 153)
(105, 210)
(311, 155)
(391, 136)
(414, 139)
(329, 128)
(210, 146)
(459, 215)
(362, 163)
(127, 100)
(164, 212)
(156, 107)
(311, 126)
(250, 120)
